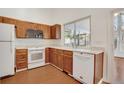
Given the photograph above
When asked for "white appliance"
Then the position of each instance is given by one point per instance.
(7, 49)
(83, 67)
(36, 57)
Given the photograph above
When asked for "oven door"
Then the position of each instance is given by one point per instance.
(36, 55)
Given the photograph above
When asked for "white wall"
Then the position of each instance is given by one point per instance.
(39, 15)
(100, 30)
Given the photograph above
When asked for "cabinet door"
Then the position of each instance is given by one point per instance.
(55, 31)
(68, 62)
(47, 55)
(51, 56)
(58, 31)
(0, 19)
(55, 57)
(60, 58)
(21, 29)
(46, 32)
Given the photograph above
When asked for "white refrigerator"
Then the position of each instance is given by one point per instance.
(7, 49)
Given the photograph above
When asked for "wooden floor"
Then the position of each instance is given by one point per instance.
(118, 71)
(43, 75)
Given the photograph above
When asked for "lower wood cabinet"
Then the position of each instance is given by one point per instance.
(61, 58)
(21, 59)
(47, 55)
(51, 56)
(68, 61)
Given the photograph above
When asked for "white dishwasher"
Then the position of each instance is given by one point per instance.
(83, 67)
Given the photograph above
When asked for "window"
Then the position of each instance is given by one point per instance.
(119, 32)
(77, 33)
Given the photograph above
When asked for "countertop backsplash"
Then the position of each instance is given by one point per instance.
(36, 42)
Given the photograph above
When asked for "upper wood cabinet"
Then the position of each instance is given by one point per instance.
(45, 29)
(9, 20)
(49, 32)
(30, 25)
(55, 31)
(46, 32)
(0, 19)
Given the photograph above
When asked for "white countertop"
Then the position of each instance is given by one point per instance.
(92, 50)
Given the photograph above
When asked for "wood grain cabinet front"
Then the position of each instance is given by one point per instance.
(60, 58)
(47, 55)
(9, 20)
(49, 32)
(55, 31)
(0, 19)
(21, 28)
(68, 62)
(21, 59)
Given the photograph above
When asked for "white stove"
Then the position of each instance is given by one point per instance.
(36, 57)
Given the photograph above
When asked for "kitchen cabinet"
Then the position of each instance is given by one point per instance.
(88, 68)
(0, 19)
(51, 56)
(21, 28)
(47, 55)
(68, 61)
(60, 58)
(46, 32)
(55, 31)
(9, 20)
(49, 32)
(54, 55)
(21, 59)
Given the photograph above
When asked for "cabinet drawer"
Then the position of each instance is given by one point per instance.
(24, 51)
(69, 53)
(21, 65)
(21, 59)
